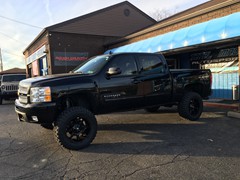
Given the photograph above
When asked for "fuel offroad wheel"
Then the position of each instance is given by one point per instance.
(75, 128)
(191, 106)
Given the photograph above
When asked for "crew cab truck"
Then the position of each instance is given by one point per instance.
(9, 86)
(105, 84)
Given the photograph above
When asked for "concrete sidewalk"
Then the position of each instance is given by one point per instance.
(226, 104)
(231, 105)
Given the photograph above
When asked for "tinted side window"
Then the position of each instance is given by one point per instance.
(149, 64)
(126, 63)
(11, 78)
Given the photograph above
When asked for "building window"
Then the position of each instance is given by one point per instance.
(127, 12)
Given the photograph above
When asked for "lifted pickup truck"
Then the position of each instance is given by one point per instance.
(104, 84)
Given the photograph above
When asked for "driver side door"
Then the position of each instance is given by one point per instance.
(119, 91)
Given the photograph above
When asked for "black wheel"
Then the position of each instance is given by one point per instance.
(152, 109)
(75, 128)
(1, 100)
(191, 106)
(47, 126)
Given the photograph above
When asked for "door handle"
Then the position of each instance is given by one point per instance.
(135, 81)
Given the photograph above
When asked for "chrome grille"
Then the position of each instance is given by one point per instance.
(23, 90)
(22, 94)
(11, 87)
(23, 99)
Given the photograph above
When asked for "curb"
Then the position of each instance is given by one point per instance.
(233, 114)
(220, 105)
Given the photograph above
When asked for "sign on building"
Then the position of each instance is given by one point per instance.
(69, 58)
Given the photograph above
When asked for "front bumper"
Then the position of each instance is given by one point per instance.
(8, 94)
(36, 113)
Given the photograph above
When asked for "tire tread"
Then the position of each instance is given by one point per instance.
(67, 114)
(184, 104)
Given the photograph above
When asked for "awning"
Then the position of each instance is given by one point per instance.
(214, 30)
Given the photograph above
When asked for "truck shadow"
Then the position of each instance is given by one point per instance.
(208, 137)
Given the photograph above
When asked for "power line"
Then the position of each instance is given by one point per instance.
(7, 52)
(20, 22)
(12, 38)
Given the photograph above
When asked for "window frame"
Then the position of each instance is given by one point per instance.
(149, 72)
(109, 65)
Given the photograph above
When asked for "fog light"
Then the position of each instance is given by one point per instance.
(34, 118)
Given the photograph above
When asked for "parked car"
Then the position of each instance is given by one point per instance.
(9, 86)
(106, 84)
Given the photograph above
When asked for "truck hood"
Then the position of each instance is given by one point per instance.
(53, 80)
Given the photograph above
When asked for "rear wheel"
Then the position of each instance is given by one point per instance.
(152, 109)
(75, 128)
(191, 106)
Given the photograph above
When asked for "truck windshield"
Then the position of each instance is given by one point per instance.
(11, 78)
(93, 65)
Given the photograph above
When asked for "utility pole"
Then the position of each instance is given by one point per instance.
(1, 63)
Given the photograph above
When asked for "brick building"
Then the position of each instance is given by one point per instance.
(61, 47)
(205, 36)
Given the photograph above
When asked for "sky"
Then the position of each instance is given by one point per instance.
(22, 20)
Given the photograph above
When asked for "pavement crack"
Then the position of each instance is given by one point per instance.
(67, 164)
(128, 157)
(118, 164)
(8, 148)
(174, 160)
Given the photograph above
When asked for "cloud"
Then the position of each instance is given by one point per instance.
(49, 13)
(11, 60)
(173, 6)
(43, 14)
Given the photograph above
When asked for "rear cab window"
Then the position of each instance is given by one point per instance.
(151, 64)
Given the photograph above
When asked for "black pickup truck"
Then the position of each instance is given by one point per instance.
(104, 84)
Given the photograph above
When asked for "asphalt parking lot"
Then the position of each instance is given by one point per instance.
(131, 145)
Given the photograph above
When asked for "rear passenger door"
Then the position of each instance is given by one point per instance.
(155, 79)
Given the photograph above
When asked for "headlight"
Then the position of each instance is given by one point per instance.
(40, 94)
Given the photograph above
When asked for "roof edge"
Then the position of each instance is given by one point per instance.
(35, 39)
(49, 28)
(100, 11)
(159, 25)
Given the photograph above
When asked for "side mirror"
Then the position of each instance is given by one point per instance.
(113, 71)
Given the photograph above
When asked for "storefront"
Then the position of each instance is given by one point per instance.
(209, 40)
(224, 67)
(37, 63)
(61, 47)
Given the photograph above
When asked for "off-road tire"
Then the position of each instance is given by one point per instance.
(191, 106)
(48, 126)
(1, 100)
(152, 109)
(75, 128)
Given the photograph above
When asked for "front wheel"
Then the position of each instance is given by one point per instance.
(75, 128)
(191, 106)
